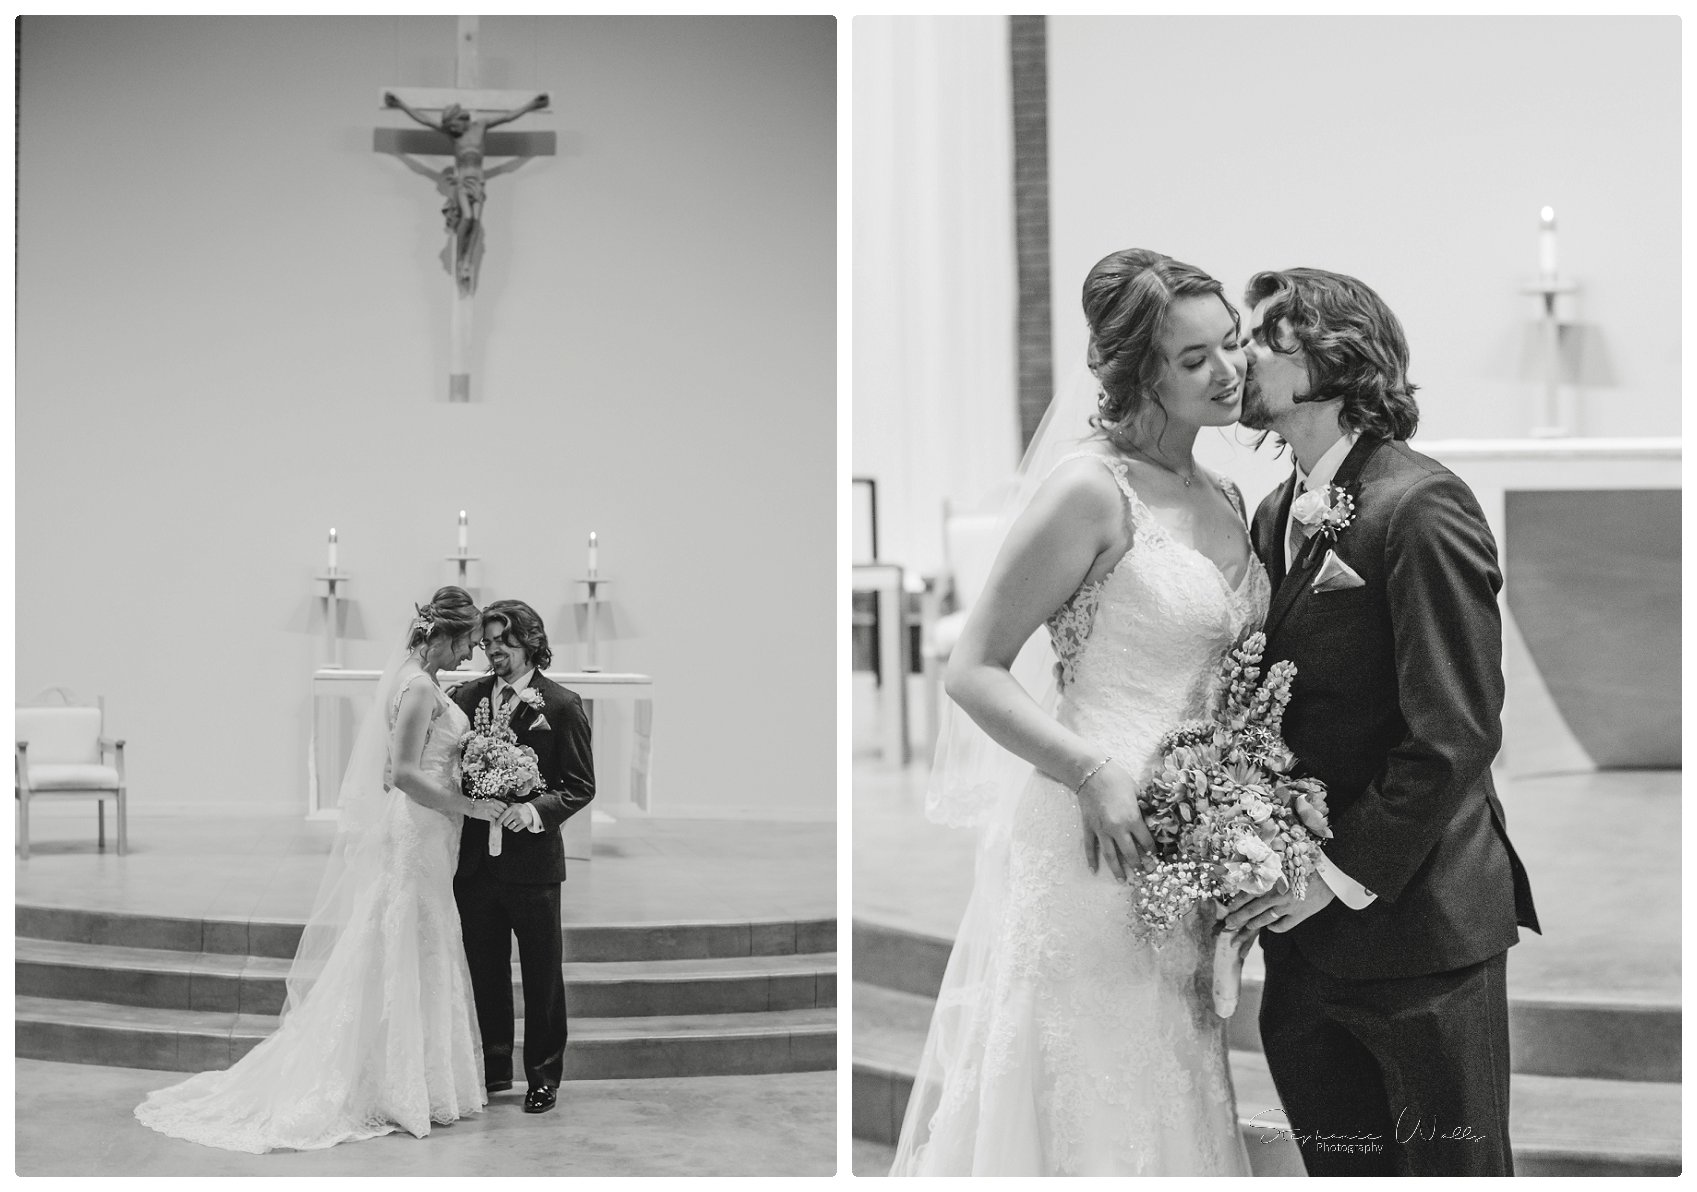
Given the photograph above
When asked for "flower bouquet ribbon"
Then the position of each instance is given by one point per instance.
(1227, 817)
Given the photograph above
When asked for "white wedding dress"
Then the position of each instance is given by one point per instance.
(1065, 1040)
(386, 1039)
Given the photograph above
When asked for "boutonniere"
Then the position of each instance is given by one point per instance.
(1324, 511)
(532, 697)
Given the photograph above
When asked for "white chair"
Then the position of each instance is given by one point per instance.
(969, 551)
(62, 752)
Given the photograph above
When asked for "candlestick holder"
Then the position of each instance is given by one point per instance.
(1560, 403)
(330, 584)
(589, 595)
(464, 562)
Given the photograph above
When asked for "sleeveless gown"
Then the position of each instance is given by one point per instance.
(1090, 1048)
(386, 1039)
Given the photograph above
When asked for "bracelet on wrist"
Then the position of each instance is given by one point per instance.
(1094, 770)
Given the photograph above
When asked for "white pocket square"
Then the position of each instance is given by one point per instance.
(542, 721)
(1335, 575)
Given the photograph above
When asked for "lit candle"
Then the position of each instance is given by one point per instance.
(1547, 244)
(332, 550)
(462, 532)
(592, 555)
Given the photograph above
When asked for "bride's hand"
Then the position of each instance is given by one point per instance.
(1113, 826)
(485, 809)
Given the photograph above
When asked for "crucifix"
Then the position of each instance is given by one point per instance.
(458, 120)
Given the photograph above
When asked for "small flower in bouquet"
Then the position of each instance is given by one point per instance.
(493, 765)
(1226, 816)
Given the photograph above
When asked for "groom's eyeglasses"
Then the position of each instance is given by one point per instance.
(485, 643)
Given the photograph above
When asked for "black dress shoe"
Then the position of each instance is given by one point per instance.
(497, 1086)
(539, 1100)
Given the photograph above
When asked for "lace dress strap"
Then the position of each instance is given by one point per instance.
(1233, 493)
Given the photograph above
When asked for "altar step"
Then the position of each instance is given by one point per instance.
(279, 938)
(658, 999)
(1589, 1038)
(164, 979)
(600, 1048)
(1560, 1125)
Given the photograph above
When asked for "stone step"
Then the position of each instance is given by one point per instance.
(600, 1048)
(174, 980)
(1592, 1038)
(279, 938)
(1560, 1125)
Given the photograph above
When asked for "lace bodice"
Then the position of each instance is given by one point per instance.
(448, 727)
(1139, 646)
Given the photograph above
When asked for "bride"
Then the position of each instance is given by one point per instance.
(1065, 1040)
(378, 1031)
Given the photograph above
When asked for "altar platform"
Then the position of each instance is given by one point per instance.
(700, 961)
(1595, 1018)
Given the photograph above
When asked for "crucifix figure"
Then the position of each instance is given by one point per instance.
(458, 121)
(464, 179)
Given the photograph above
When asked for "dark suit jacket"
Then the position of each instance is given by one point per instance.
(568, 783)
(1396, 707)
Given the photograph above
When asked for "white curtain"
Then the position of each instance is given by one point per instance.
(934, 272)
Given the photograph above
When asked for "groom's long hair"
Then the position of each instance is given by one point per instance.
(1355, 345)
(521, 624)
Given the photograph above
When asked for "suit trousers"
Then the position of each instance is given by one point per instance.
(1392, 1076)
(492, 914)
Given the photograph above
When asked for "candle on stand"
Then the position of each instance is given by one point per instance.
(593, 553)
(1547, 244)
(462, 532)
(332, 550)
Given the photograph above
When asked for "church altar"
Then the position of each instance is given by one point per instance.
(1588, 534)
(617, 787)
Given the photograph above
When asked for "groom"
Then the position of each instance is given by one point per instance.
(1385, 1017)
(517, 894)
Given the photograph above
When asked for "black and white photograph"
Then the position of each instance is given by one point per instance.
(426, 596)
(1265, 623)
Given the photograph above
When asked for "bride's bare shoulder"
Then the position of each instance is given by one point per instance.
(1083, 485)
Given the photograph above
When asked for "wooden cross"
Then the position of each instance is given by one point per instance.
(458, 120)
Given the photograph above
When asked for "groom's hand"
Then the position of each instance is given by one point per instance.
(514, 820)
(1278, 912)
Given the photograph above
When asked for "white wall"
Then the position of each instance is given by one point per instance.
(1413, 153)
(232, 320)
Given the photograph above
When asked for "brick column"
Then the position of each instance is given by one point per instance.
(1028, 44)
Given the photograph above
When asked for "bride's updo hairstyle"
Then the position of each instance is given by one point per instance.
(449, 614)
(1127, 299)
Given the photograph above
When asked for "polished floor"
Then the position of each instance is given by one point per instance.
(75, 1120)
(267, 866)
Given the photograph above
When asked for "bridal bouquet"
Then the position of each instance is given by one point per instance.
(1226, 816)
(493, 765)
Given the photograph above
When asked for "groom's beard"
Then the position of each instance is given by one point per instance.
(1253, 412)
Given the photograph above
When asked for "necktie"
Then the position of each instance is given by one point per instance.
(504, 703)
(1298, 533)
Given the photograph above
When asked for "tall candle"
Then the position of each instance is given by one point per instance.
(332, 549)
(593, 552)
(1547, 244)
(462, 532)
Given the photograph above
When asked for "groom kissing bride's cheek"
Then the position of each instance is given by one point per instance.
(507, 885)
(1142, 818)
